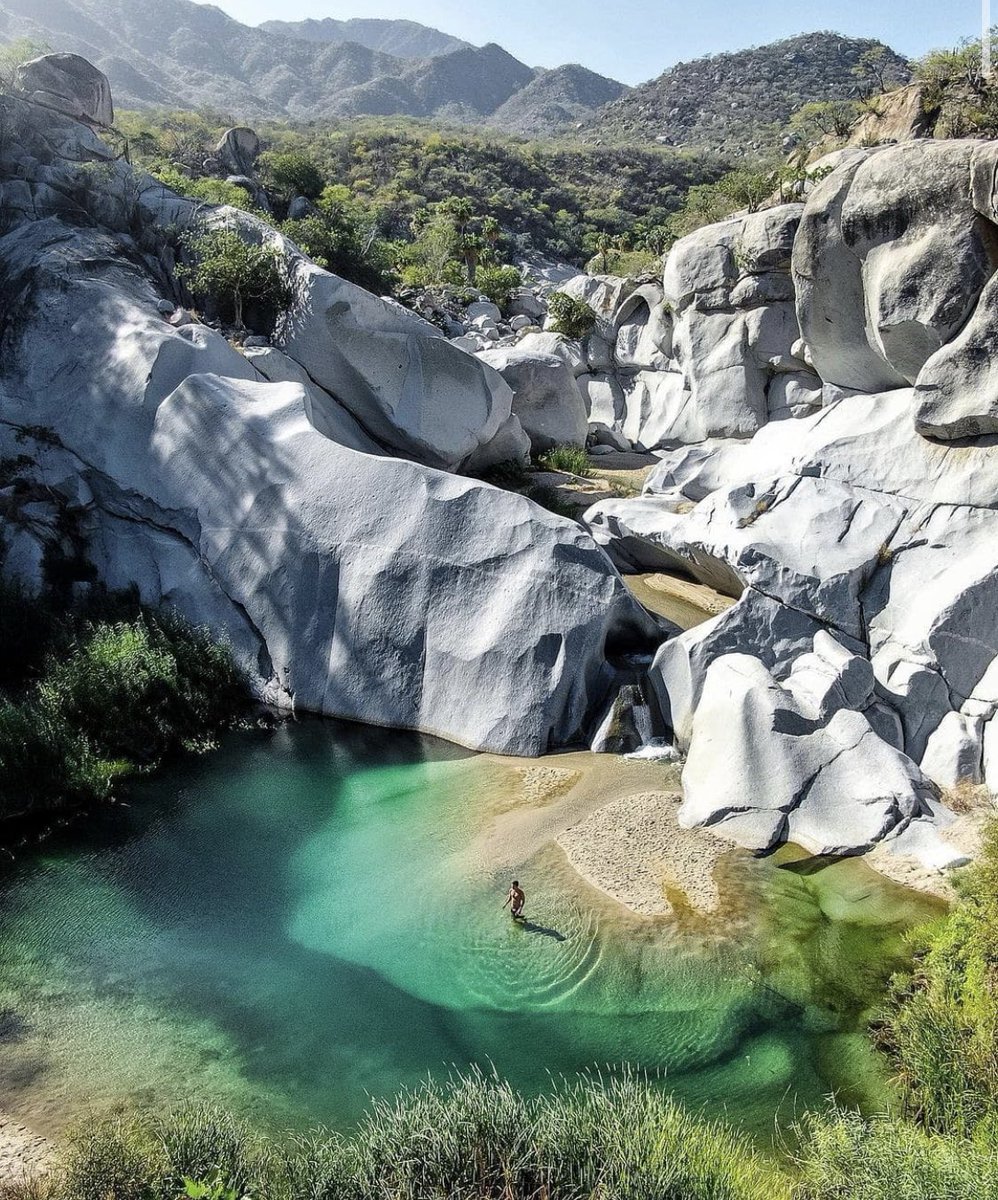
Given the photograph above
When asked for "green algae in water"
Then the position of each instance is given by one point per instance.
(293, 925)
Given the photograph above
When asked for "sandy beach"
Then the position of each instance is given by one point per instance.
(615, 822)
(22, 1153)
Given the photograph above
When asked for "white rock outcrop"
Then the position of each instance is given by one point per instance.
(546, 398)
(291, 497)
(858, 671)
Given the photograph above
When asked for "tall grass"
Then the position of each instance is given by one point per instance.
(572, 459)
(941, 1025)
(472, 1138)
(844, 1157)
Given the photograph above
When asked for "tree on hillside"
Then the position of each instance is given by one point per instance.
(292, 174)
(233, 273)
(826, 118)
(472, 249)
(878, 70)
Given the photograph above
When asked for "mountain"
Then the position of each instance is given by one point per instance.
(556, 99)
(403, 39)
(176, 53)
(741, 102)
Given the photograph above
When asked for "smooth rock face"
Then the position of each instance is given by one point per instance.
(404, 382)
(729, 288)
(70, 85)
(891, 259)
(555, 344)
(957, 389)
(237, 150)
(953, 751)
(546, 397)
(241, 491)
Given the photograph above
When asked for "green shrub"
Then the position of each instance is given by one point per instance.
(111, 694)
(498, 283)
(45, 763)
(208, 189)
(573, 459)
(291, 174)
(571, 317)
(335, 243)
(843, 1157)
(234, 273)
(942, 1021)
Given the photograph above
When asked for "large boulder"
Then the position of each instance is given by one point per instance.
(546, 398)
(894, 250)
(604, 295)
(237, 151)
(570, 352)
(70, 85)
(241, 492)
(762, 768)
(411, 389)
(734, 327)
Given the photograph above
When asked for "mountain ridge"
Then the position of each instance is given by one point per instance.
(741, 100)
(186, 55)
(403, 39)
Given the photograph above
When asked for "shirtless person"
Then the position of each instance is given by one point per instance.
(516, 898)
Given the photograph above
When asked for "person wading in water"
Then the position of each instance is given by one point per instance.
(516, 899)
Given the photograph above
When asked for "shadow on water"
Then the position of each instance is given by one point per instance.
(543, 930)
(814, 864)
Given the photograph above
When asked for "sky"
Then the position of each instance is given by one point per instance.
(635, 40)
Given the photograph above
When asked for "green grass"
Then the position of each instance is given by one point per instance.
(847, 1158)
(941, 1023)
(473, 1138)
(573, 459)
(89, 696)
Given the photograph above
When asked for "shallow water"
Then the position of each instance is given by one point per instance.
(294, 924)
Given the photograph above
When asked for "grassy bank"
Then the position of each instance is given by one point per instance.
(940, 1030)
(92, 694)
(473, 1138)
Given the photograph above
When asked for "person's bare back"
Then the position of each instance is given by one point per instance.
(516, 900)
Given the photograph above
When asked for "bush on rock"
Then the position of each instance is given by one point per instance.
(233, 274)
(571, 317)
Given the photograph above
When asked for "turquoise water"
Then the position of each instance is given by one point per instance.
(301, 920)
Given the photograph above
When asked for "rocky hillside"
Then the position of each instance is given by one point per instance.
(556, 99)
(182, 54)
(403, 39)
(740, 103)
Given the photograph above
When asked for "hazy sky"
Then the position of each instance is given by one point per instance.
(634, 40)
